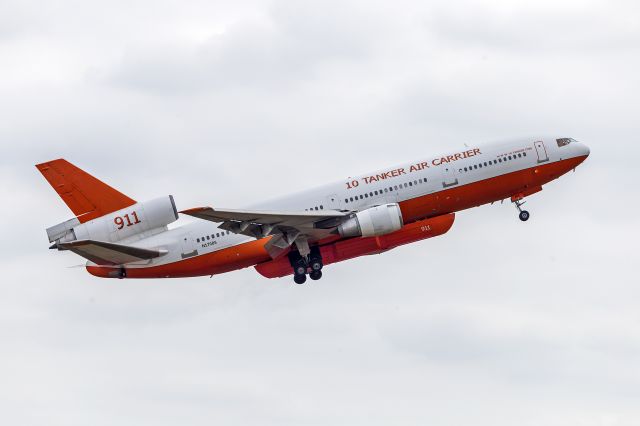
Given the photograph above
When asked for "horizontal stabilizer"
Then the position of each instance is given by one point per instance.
(109, 254)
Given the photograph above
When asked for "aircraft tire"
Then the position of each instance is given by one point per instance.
(315, 275)
(524, 215)
(316, 265)
(299, 279)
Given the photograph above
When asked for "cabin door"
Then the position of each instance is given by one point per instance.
(449, 177)
(333, 202)
(542, 152)
(188, 246)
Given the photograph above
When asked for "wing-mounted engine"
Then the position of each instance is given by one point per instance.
(373, 222)
(354, 247)
(139, 220)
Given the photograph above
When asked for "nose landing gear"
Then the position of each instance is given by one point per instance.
(301, 264)
(523, 215)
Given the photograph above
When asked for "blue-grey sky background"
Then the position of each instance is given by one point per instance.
(227, 103)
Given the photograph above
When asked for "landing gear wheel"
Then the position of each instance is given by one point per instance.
(523, 215)
(315, 275)
(315, 259)
(299, 279)
(316, 265)
(300, 269)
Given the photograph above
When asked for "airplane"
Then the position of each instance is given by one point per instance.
(299, 234)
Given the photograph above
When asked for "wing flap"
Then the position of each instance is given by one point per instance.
(287, 228)
(264, 217)
(109, 254)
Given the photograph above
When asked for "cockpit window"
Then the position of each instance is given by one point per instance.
(565, 141)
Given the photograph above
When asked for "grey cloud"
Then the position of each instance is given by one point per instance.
(521, 355)
(539, 29)
(495, 323)
(292, 46)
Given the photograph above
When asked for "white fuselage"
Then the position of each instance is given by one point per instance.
(390, 185)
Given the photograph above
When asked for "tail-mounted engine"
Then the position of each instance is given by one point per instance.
(141, 219)
(373, 222)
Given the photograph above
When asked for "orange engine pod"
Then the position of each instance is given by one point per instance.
(355, 247)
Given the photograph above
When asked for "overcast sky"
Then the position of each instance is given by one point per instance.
(228, 103)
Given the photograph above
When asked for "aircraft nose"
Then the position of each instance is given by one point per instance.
(584, 150)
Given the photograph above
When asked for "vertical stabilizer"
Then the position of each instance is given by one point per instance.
(86, 196)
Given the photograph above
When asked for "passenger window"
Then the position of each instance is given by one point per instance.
(396, 187)
(198, 240)
(475, 166)
(524, 154)
(321, 207)
(465, 169)
(371, 194)
(366, 195)
(376, 192)
(218, 234)
(485, 164)
(208, 238)
(480, 165)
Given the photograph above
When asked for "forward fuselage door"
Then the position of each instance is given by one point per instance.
(541, 151)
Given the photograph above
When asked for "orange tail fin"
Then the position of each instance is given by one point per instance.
(86, 196)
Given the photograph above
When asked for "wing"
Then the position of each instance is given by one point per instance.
(103, 253)
(286, 228)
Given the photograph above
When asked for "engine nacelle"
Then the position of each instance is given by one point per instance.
(373, 222)
(142, 219)
(354, 247)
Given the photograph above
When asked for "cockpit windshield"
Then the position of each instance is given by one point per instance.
(565, 141)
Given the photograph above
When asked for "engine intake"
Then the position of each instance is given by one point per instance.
(373, 222)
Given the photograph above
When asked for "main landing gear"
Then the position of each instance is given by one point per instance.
(302, 264)
(523, 215)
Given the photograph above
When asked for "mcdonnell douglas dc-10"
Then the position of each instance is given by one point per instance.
(301, 233)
